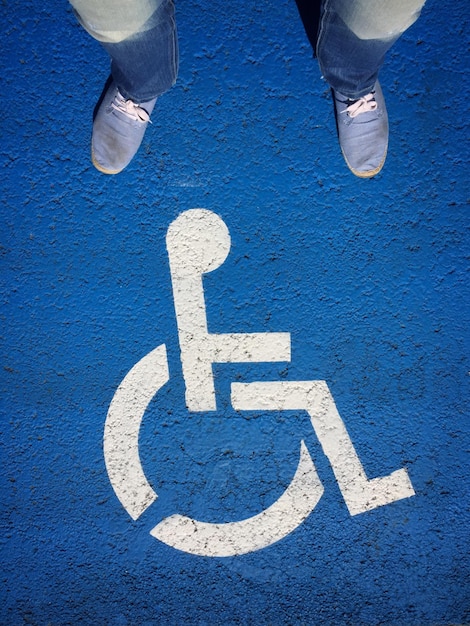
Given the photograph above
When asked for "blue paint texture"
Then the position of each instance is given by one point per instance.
(369, 276)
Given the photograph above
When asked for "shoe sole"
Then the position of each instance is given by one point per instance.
(369, 173)
(100, 168)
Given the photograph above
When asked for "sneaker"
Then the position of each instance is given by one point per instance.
(362, 131)
(118, 130)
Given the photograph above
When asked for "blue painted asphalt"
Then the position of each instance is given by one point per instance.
(369, 277)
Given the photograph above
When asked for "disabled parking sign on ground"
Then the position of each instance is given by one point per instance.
(198, 241)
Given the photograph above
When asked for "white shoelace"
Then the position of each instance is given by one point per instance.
(362, 105)
(130, 108)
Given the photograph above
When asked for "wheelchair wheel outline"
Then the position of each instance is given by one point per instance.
(121, 451)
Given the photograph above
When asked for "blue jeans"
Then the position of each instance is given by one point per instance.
(140, 37)
(355, 35)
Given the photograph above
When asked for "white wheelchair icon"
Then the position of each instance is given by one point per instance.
(198, 242)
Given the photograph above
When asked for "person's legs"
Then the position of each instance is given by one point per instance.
(353, 39)
(145, 65)
(140, 37)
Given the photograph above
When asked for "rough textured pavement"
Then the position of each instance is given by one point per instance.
(369, 277)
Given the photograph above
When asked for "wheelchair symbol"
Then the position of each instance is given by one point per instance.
(198, 242)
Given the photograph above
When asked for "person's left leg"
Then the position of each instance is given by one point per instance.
(353, 39)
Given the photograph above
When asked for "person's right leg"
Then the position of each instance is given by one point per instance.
(353, 39)
(140, 37)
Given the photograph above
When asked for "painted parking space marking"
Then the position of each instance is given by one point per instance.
(198, 242)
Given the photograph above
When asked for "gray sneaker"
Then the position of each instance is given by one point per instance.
(362, 131)
(118, 130)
